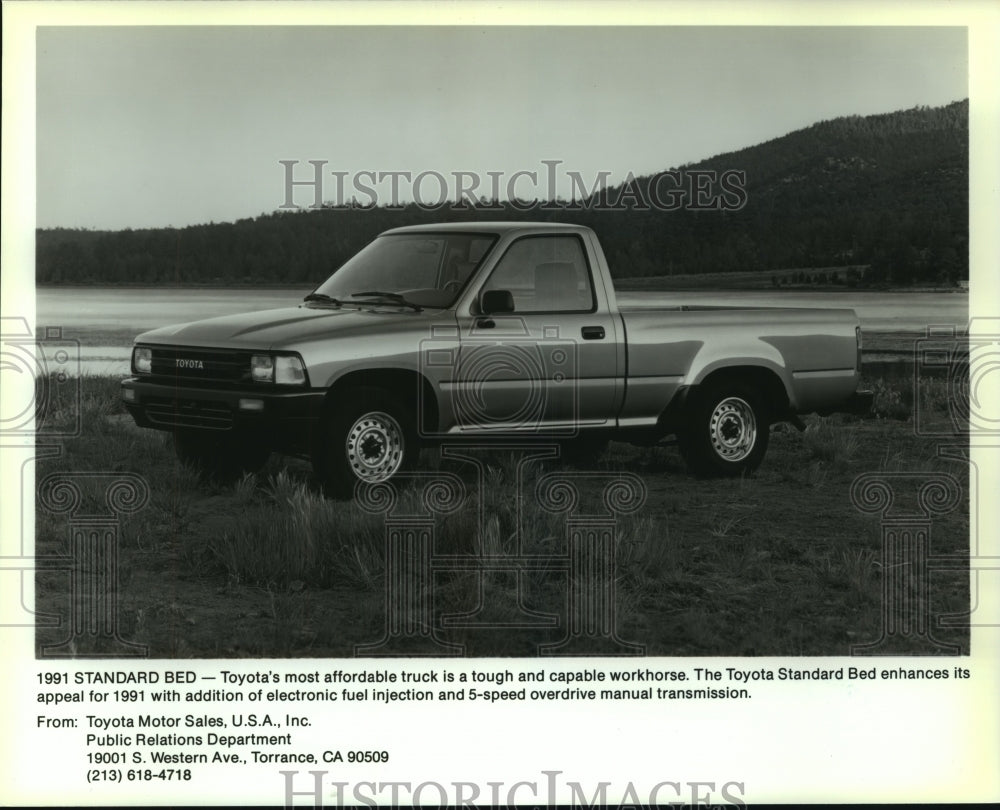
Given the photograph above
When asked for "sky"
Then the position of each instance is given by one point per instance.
(179, 125)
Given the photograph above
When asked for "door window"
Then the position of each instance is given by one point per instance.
(545, 274)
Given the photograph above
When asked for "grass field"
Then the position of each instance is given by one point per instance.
(781, 563)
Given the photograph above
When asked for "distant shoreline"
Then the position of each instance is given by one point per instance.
(189, 285)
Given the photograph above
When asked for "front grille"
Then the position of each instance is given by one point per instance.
(196, 365)
(189, 413)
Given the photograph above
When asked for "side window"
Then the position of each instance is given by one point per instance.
(545, 274)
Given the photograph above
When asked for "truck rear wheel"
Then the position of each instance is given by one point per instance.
(726, 431)
(225, 456)
(368, 437)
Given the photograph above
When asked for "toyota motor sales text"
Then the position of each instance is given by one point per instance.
(161, 721)
(188, 721)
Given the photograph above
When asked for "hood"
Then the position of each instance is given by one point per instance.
(281, 328)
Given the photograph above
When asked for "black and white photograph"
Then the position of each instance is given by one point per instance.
(613, 374)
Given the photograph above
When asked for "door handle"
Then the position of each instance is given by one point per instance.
(485, 323)
(592, 332)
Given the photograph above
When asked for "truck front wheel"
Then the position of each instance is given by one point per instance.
(727, 430)
(368, 437)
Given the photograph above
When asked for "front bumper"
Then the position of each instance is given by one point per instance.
(286, 419)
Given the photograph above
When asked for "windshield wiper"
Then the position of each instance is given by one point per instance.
(326, 299)
(396, 298)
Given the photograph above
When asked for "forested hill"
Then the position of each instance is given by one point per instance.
(887, 191)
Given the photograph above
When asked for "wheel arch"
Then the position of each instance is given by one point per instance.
(724, 426)
(763, 379)
(409, 386)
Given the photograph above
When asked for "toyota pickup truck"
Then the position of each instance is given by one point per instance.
(483, 331)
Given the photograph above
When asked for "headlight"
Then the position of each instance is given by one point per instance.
(289, 371)
(262, 368)
(142, 360)
(280, 369)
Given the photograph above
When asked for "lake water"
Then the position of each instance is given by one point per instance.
(105, 319)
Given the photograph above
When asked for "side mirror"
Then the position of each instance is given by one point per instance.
(497, 302)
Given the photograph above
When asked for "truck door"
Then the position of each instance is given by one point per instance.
(546, 362)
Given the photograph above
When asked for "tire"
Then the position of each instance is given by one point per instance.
(726, 430)
(223, 456)
(368, 436)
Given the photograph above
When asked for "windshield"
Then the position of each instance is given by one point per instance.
(426, 270)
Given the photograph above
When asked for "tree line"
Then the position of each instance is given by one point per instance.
(886, 192)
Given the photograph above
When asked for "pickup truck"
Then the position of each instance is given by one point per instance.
(482, 331)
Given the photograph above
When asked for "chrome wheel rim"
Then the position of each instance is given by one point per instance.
(733, 429)
(375, 447)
